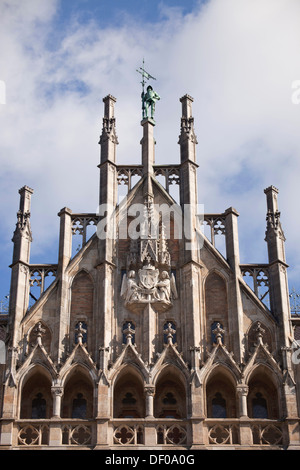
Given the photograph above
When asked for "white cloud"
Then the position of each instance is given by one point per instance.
(237, 58)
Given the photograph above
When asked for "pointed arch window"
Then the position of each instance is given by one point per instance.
(79, 407)
(259, 407)
(219, 406)
(38, 409)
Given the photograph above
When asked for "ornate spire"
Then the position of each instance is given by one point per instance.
(22, 236)
(109, 121)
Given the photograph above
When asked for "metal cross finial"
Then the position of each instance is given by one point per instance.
(145, 75)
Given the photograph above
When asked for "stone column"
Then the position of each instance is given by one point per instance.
(65, 239)
(64, 256)
(234, 294)
(242, 392)
(57, 393)
(149, 392)
(148, 146)
(245, 424)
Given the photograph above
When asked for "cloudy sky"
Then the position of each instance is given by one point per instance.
(238, 59)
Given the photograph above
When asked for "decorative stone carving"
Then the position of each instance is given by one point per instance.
(170, 332)
(148, 278)
(80, 332)
(218, 332)
(39, 331)
(151, 287)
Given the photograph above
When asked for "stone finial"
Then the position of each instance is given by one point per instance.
(80, 332)
(129, 332)
(170, 332)
(218, 332)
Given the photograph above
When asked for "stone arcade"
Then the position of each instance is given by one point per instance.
(143, 343)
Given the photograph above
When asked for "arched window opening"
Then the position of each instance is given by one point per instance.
(128, 405)
(36, 397)
(169, 404)
(38, 407)
(263, 400)
(78, 396)
(129, 398)
(221, 395)
(259, 407)
(219, 406)
(170, 396)
(79, 407)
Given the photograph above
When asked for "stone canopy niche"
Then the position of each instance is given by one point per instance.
(148, 279)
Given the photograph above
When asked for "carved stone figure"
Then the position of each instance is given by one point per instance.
(151, 287)
(148, 101)
(164, 286)
(129, 289)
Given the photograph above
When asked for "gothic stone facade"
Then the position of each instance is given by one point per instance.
(149, 342)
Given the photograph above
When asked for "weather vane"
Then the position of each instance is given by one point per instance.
(150, 97)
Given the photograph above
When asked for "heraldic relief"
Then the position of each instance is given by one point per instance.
(149, 278)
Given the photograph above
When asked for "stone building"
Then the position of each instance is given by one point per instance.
(149, 336)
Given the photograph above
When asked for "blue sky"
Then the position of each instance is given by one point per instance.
(237, 58)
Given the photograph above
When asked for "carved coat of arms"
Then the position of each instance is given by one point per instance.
(148, 277)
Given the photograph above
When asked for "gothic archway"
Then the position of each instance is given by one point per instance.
(128, 394)
(78, 397)
(263, 396)
(221, 401)
(36, 397)
(170, 400)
